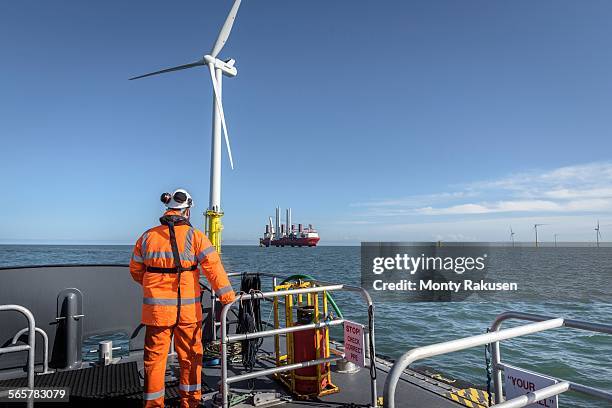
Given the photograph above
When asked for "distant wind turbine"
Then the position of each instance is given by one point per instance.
(556, 239)
(597, 233)
(512, 236)
(535, 227)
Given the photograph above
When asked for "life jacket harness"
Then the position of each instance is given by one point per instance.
(171, 221)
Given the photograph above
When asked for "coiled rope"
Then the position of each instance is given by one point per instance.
(212, 351)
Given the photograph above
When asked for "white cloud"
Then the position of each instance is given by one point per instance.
(415, 200)
(521, 206)
(486, 208)
(567, 194)
(575, 189)
(582, 177)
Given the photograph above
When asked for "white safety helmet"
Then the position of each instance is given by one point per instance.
(178, 200)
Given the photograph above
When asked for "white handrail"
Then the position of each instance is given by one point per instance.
(31, 347)
(496, 335)
(45, 345)
(456, 345)
(536, 395)
(569, 323)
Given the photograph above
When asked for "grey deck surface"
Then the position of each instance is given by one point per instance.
(354, 389)
(414, 389)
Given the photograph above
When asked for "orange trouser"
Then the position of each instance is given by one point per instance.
(188, 346)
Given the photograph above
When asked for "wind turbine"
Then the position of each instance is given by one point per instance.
(556, 239)
(598, 233)
(217, 68)
(512, 236)
(535, 227)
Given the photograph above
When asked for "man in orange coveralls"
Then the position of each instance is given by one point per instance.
(164, 256)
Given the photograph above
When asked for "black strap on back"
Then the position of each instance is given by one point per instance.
(177, 266)
(155, 269)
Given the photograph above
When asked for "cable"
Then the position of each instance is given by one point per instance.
(249, 319)
(372, 351)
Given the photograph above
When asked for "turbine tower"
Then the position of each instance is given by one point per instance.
(535, 227)
(217, 68)
(597, 233)
(512, 236)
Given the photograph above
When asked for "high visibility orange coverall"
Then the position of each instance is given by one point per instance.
(168, 307)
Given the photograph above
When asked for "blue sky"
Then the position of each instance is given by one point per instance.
(395, 120)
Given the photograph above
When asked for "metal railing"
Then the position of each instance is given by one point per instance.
(45, 345)
(225, 338)
(498, 366)
(30, 347)
(496, 335)
(536, 395)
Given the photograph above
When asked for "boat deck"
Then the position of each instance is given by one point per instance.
(118, 385)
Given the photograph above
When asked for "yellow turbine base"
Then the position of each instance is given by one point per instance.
(213, 228)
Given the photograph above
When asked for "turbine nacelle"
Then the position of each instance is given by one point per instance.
(227, 67)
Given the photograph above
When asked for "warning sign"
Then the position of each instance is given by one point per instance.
(520, 382)
(354, 343)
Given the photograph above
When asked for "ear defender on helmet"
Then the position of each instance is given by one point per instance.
(180, 197)
(165, 198)
(178, 200)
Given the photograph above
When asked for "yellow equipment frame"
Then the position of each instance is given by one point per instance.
(307, 299)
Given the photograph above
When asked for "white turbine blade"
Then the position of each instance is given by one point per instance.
(163, 71)
(221, 114)
(226, 29)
